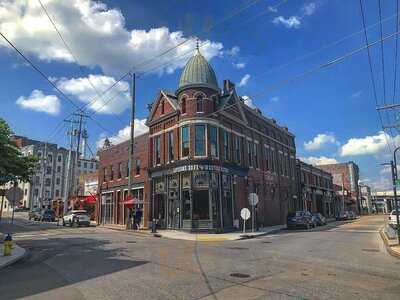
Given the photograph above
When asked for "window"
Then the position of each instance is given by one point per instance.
(200, 140)
(255, 155)
(237, 150)
(79, 163)
(58, 169)
(249, 154)
(185, 141)
(227, 153)
(39, 154)
(37, 180)
(57, 193)
(170, 146)
(112, 173)
(47, 182)
(119, 170)
(85, 165)
(157, 149)
(137, 171)
(201, 205)
(91, 165)
(48, 170)
(58, 180)
(186, 205)
(199, 104)
(183, 105)
(36, 192)
(26, 192)
(213, 141)
(49, 158)
(59, 158)
(104, 174)
(127, 168)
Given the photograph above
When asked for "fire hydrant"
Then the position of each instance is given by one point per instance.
(8, 243)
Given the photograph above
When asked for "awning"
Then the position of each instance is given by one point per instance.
(129, 201)
(91, 199)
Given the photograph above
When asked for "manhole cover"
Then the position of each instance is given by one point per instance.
(237, 248)
(131, 242)
(370, 250)
(240, 275)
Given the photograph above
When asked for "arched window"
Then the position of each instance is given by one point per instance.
(183, 105)
(199, 104)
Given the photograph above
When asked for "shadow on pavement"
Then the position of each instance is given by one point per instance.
(59, 262)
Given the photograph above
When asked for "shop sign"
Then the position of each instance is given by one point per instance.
(200, 168)
(200, 179)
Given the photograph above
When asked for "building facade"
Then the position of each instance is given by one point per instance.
(114, 201)
(366, 199)
(345, 178)
(315, 190)
(208, 150)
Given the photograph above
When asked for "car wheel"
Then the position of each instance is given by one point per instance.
(76, 223)
(63, 222)
(70, 223)
(308, 226)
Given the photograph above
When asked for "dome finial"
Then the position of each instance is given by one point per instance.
(197, 45)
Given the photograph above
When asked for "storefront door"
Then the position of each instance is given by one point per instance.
(173, 213)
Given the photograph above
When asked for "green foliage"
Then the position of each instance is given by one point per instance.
(13, 165)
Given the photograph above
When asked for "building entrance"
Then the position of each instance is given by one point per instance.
(173, 213)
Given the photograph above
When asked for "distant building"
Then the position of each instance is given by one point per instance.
(345, 178)
(315, 190)
(366, 199)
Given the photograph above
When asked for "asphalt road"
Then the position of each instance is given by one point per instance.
(338, 261)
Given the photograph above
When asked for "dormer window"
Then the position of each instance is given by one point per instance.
(199, 104)
(183, 105)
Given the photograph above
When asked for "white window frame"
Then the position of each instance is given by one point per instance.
(181, 141)
(205, 141)
(216, 142)
(155, 151)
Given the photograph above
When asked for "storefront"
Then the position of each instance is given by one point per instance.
(194, 197)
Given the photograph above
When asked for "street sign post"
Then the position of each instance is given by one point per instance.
(245, 214)
(14, 195)
(253, 201)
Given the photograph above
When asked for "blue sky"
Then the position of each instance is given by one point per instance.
(256, 44)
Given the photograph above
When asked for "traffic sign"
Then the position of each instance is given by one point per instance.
(245, 213)
(14, 195)
(253, 199)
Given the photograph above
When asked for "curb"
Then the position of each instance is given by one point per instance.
(387, 246)
(15, 259)
(249, 236)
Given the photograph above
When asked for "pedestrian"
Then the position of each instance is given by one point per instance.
(129, 221)
(138, 218)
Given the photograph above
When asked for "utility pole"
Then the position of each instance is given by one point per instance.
(68, 172)
(44, 165)
(132, 134)
(396, 202)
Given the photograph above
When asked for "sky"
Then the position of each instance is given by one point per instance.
(272, 50)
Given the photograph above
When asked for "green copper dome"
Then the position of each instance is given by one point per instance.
(198, 72)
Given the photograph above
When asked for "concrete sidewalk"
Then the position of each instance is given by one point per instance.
(389, 238)
(17, 254)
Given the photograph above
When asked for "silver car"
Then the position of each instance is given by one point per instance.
(76, 218)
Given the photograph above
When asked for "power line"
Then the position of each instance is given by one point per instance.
(371, 71)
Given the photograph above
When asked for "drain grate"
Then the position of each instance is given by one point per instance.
(266, 242)
(240, 275)
(370, 250)
(130, 242)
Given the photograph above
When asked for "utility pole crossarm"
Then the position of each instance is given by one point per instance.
(389, 106)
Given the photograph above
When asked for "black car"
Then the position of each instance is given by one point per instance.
(48, 215)
(320, 219)
(303, 219)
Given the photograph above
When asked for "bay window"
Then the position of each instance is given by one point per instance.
(185, 141)
(213, 141)
(200, 140)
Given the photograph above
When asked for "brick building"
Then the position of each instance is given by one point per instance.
(345, 178)
(208, 150)
(316, 190)
(114, 205)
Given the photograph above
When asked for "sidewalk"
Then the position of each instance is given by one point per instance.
(203, 237)
(17, 254)
(390, 240)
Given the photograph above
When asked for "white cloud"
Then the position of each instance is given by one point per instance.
(244, 80)
(291, 22)
(356, 95)
(37, 101)
(322, 160)
(309, 9)
(274, 99)
(239, 65)
(114, 102)
(233, 51)
(248, 101)
(368, 145)
(272, 9)
(296, 20)
(319, 141)
(124, 133)
(96, 34)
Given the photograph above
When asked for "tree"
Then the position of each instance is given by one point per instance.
(13, 165)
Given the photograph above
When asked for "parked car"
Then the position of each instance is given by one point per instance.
(77, 218)
(302, 219)
(48, 215)
(320, 219)
(392, 219)
(343, 216)
(35, 214)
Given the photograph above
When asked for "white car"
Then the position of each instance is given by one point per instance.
(77, 218)
(392, 219)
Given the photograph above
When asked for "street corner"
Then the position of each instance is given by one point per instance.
(17, 253)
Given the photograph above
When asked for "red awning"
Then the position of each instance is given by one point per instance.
(129, 201)
(90, 199)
